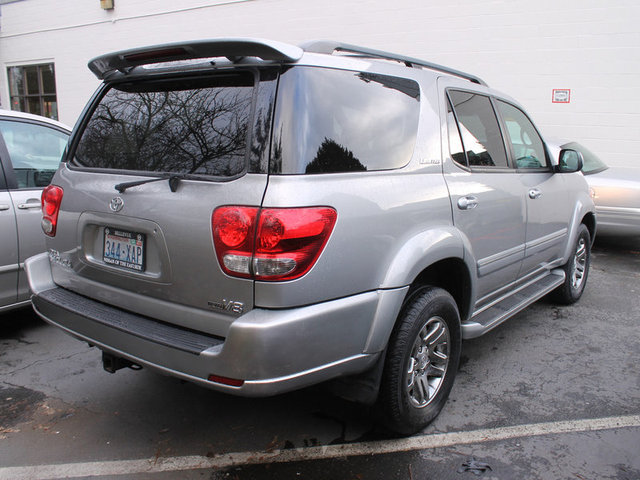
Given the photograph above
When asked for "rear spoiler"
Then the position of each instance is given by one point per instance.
(231, 48)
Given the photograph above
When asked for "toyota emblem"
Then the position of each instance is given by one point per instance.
(116, 204)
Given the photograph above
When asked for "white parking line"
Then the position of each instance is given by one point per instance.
(177, 464)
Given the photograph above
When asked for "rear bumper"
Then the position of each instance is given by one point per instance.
(271, 351)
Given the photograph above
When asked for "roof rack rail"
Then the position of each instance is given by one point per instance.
(231, 48)
(329, 47)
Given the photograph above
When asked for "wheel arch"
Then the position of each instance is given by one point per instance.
(449, 272)
(452, 275)
(590, 222)
(440, 255)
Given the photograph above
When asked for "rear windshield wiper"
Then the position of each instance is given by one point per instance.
(174, 180)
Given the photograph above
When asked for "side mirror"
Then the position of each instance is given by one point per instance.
(570, 161)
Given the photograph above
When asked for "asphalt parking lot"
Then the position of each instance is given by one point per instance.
(552, 394)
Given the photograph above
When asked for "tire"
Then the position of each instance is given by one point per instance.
(421, 362)
(576, 270)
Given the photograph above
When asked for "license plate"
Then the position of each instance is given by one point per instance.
(124, 249)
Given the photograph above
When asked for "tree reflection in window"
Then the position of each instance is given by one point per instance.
(332, 158)
(259, 160)
(194, 131)
(330, 121)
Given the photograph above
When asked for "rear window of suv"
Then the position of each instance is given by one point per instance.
(330, 121)
(188, 126)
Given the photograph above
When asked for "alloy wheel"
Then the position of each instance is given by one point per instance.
(579, 264)
(427, 365)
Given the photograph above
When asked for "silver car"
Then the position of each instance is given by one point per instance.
(615, 190)
(261, 217)
(30, 151)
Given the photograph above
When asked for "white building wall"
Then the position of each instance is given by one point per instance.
(523, 48)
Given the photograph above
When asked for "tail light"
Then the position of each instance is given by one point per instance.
(270, 243)
(51, 200)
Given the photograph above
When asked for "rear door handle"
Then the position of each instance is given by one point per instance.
(534, 193)
(28, 205)
(3, 207)
(467, 203)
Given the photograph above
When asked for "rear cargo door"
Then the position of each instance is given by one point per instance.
(154, 161)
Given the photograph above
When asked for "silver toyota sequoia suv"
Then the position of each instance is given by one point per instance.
(257, 217)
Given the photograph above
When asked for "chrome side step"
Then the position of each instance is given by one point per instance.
(490, 317)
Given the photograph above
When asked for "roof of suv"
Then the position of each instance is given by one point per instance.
(235, 50)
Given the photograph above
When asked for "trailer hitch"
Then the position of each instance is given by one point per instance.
(112, 364)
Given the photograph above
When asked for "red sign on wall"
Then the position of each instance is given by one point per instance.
(561, 95)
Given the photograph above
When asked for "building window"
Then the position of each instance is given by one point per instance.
(33, 89)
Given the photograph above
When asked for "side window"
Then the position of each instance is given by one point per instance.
(35, 151)
(455, 143)
(336, 121)
(528, 148)
(3, 183)
(481, 137)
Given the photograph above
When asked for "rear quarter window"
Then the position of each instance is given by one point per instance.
(331, 121)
